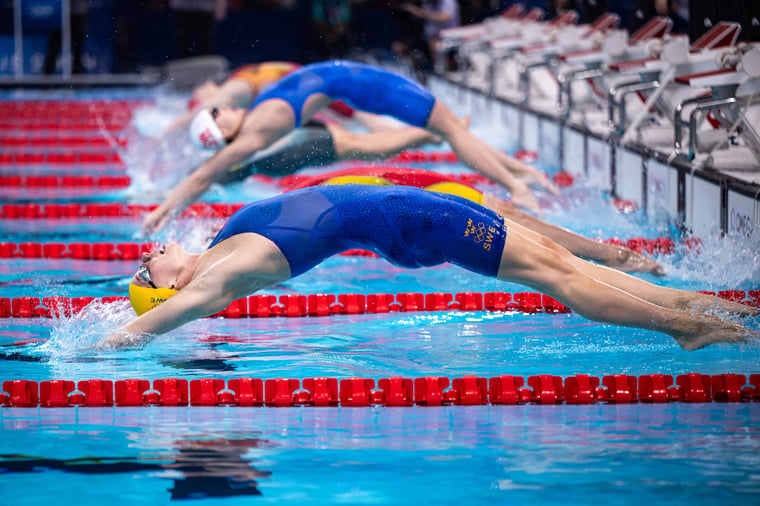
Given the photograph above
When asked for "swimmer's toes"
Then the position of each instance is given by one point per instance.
(726, 333)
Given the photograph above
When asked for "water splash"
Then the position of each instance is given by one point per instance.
(154, 119)
(717, 263)
(157, 161)
(78, 333)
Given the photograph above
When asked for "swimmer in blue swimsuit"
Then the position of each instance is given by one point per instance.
(270, 241)
(238, 134)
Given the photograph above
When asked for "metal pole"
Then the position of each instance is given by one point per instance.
(66, 62)
(18, 41)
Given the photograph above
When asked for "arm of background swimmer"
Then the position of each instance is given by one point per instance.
(196, 184)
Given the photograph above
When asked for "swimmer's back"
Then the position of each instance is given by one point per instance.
(364, 87)
(408, 226)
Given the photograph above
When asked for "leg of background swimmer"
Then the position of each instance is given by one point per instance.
(379, 144)
(531, 263)
(665, 297)
(611, 255)
(476, 154)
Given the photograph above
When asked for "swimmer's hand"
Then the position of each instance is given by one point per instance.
(155, 220)
(532, 175)
(522, 197)
(543, 180)
(122, 340)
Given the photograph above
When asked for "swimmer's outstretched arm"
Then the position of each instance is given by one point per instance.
(197, 300)
(230, 278)
(196, 184)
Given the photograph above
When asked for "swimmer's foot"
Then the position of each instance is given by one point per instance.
(703, 302)
(711, 330)
(630, 261)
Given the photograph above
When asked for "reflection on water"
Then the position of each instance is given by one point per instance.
(198, 468)
(596, 454)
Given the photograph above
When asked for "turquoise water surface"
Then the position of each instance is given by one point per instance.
(680, 454)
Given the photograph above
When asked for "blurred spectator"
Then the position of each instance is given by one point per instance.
(676, 10)
(645, 10)
(749, 15)
(330, 29)
(704, 15)
(436, 16)
(410, 46)
(474, 11)
(79, 10)
(194, 23)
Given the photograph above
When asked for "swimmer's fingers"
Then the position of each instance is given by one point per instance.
(154, 221)
(525, 200)
(548, 184)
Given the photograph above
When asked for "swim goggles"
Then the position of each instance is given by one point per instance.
(144, 274)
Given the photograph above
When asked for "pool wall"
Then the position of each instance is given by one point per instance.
(700, 200)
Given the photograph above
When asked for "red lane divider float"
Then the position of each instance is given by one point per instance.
(391, 391)
(133, 251)
(52, 124)
(321, 304)
(32, 211)
(111, 158)
(293, 305)
(60, 180)
(123, 181)
(55, 141)
(67, 114)
(74, 108)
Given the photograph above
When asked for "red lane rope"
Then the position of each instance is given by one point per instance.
(61, 158)
(389, 391)
(73, 115)
(321, 304)
(133, 250)
(56, 125)
(56, 141)
(59, 180)
(57, 108)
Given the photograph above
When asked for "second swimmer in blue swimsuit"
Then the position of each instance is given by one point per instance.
(238, 133)
(269, 241)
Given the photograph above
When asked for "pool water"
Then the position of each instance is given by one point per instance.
(529, 454)
(682, 454)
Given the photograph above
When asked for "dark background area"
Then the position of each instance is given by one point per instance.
(125, 36)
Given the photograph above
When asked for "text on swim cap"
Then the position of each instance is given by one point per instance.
(207, 139)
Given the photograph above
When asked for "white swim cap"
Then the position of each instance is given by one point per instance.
(205, 133)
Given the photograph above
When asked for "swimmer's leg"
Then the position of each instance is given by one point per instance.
(611, 255)
(477, 154)
(381, 144)
(545, 266)
(671, 298)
